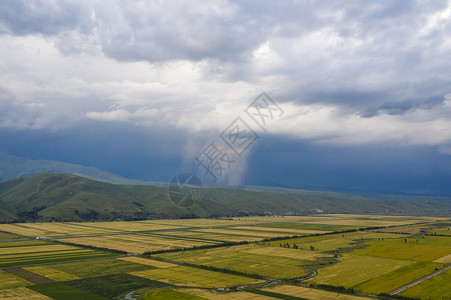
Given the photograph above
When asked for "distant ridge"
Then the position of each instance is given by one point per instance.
(63, 197)
(14, 166)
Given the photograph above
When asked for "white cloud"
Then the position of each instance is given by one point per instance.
(114, 115)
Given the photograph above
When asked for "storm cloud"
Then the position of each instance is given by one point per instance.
(347, 73)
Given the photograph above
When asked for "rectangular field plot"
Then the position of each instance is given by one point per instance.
(148, 262)
(206, 294)
(310, 226)
(332, 242)
(308, 293)
(112, 286)
(251, 259)
(36, 252)
(437, 287)
(355, 269)
(428, 248)
(6, 236)
(388, 282)
(218, 235)
(139, 243)
(9, 281)
(62, 291)
(22, 293)
(28, 275)
(280, 231)
(53, 274)
(76, 229)
(98, 267)
(188, 276)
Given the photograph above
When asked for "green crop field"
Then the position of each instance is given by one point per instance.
(63, 291)
(9, 281)
(309, 293)
(51, 273)
(332, 242)
(164, 294)
(187, 276)
(250, 259)
(355, 269)
(7, 236)
(110, 286)
(371, 261)
(388, 282)
(91, 268)
(428, 248)
(437, 287)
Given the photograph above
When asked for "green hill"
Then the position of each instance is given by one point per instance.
(63, 197)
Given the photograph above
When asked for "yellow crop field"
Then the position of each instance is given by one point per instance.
(194, 277)
(60, 229)
(148, 262)
(132, 226)
(137, 243)
(211, 235)
(22, 293)
(9, 281)
(444, 259)
(308, 293)
(35, 249)
(283, 231)
(51, 273)
(21, 230)
(244, 233)
(224, 296)
(354, 269)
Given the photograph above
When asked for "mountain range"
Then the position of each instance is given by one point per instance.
(66, 197)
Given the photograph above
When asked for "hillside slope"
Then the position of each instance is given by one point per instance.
(65, 197)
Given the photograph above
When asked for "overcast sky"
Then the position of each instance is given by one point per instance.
(346, 73)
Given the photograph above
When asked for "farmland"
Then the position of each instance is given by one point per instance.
(302, 257)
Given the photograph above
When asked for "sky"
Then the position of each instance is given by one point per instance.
(360, 90)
